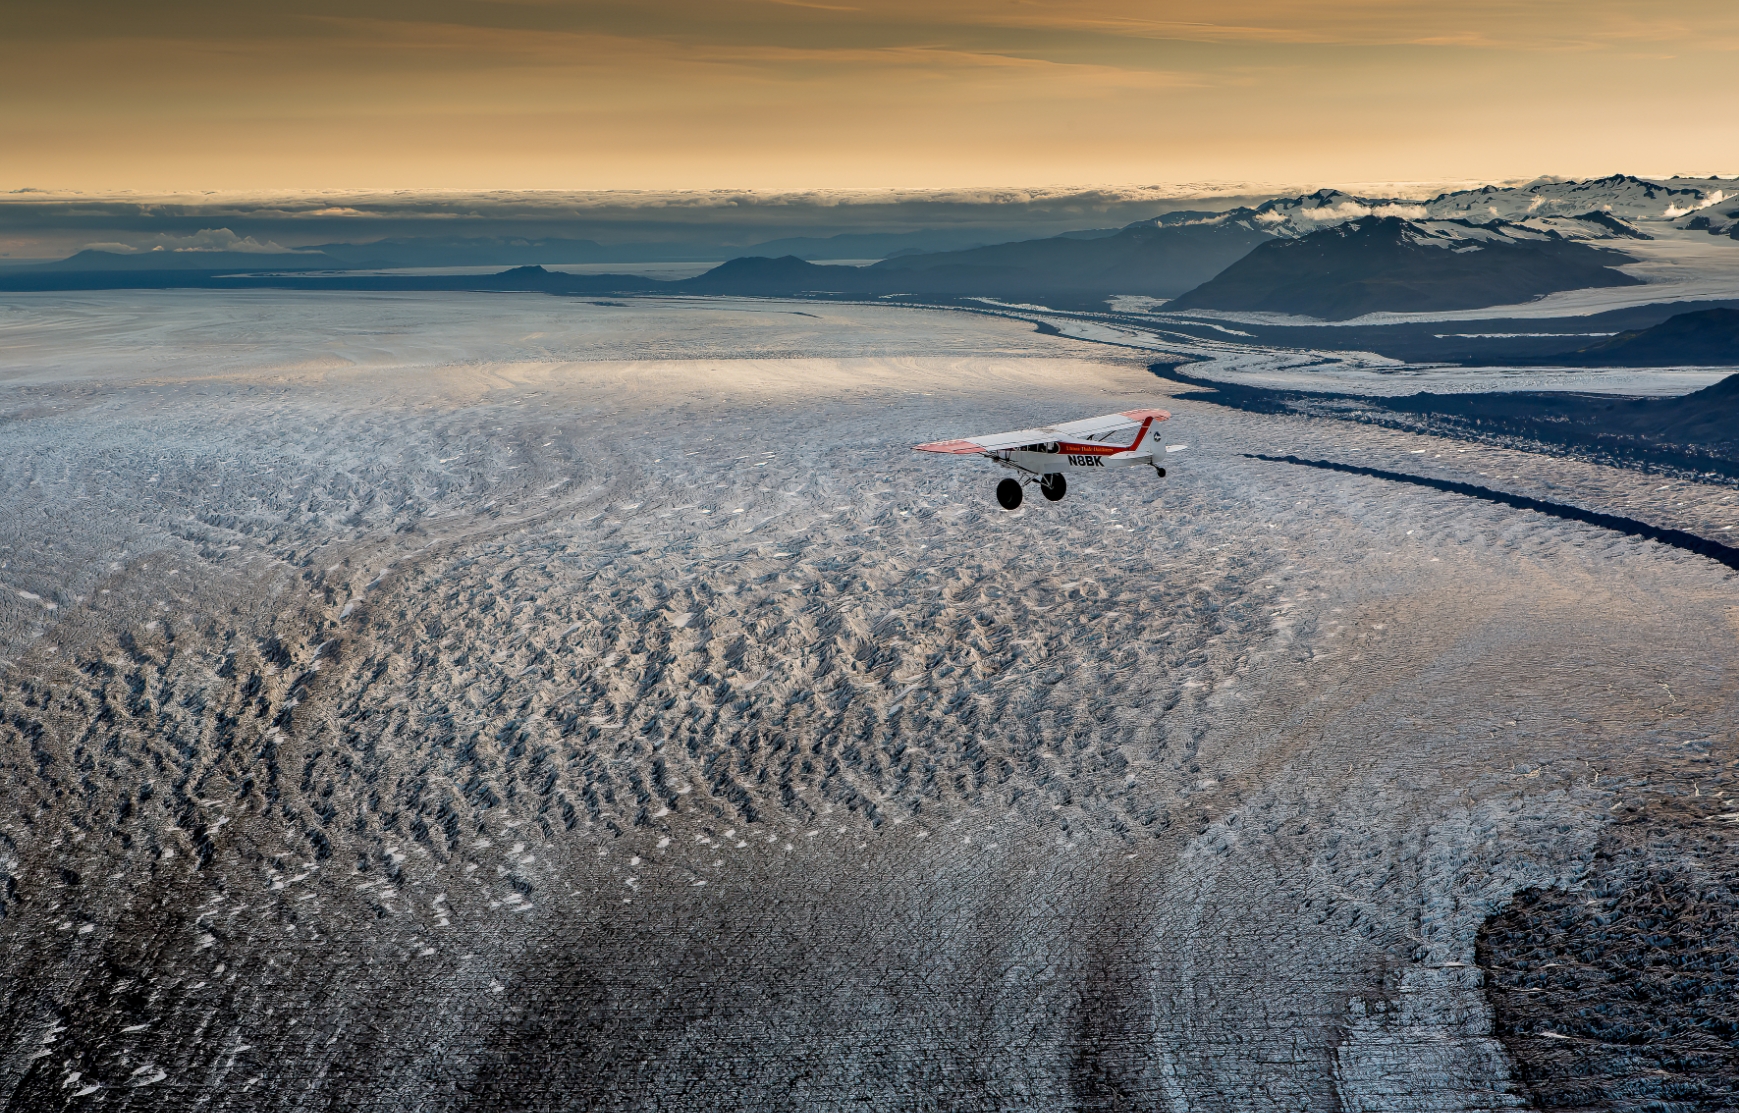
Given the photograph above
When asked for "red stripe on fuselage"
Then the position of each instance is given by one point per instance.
(1088, 448)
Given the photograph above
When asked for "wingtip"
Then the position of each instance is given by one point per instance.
(955, 446)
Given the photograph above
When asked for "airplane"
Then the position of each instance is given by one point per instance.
(1040, 455)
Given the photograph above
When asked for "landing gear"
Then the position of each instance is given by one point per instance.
(1161, 472)
(1008, 494)
(1054, 486)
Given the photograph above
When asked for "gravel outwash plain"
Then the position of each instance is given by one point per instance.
(462, 702)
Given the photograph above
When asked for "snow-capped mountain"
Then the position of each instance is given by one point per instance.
(1636, 200)
(1615, 208)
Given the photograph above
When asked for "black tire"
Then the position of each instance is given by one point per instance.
(1054, 486)
(1008, 493)
(1161, 472)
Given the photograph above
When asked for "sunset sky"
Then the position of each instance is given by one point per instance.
(759, 94)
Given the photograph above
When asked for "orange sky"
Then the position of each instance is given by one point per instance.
(776, 94)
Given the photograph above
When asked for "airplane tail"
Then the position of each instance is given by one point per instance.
(1148, 419)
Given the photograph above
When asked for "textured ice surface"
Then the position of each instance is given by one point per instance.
(513, 702)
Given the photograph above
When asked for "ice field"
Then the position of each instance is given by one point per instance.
(514, 702)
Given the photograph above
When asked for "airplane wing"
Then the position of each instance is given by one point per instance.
(1109, 429)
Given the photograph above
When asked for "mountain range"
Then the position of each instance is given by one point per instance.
(1159, 258)
(1327, 255)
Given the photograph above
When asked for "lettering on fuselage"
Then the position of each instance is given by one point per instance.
(1087, 461)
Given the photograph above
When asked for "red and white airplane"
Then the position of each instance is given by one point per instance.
(1042, 455)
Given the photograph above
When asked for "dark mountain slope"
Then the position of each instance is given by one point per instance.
(758, 277)
(1709, 337)
(1388, 264)
(1151, 258)
(1698, 338)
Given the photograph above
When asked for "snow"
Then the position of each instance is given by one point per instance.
(1676, 264)
(1076, 704)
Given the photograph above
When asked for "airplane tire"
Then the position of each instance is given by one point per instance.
(1054, 486)
(1008, 494)
(1161, 472)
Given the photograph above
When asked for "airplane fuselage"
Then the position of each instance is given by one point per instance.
(1045, 462)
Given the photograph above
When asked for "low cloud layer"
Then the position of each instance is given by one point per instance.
(1343, 211)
